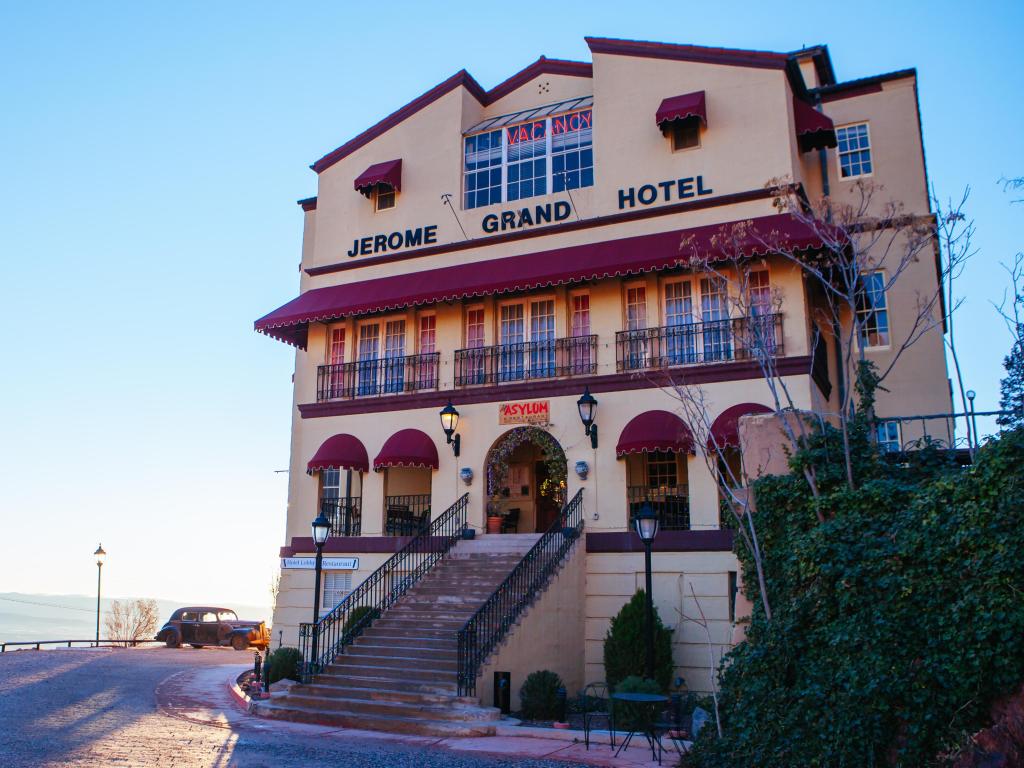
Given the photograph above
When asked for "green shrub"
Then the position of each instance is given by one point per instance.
(284, 663)
(634, 716)
(357, 615)
(539, 696)
(896, 623)
(625, 649)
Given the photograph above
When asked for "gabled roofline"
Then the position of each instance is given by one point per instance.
(863, 85)
(676, 52)
(819, 55)
(462, 78)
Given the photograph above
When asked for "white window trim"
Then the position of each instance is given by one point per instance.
(888, 314)
(663, 299)
(527, 303)
(871, 152)
(376, 198)
(899, 431)
(700, 139)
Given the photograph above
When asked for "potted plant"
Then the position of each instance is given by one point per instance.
(494, 518)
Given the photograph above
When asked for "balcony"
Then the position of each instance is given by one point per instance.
(556, 358)
(715, 341)
(376, 377)
(344, 514)
(670, 503)
(406, 515)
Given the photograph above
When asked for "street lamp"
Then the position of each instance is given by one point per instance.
(449, 423)
(972, 428)
(587, 406)
(646, 524)
(100, 554)
(321, 528)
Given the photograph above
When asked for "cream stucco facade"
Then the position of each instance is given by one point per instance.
(458, 348)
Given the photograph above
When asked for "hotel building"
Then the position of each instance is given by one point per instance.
(508, 250)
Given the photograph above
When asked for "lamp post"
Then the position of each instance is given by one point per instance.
(321, 528)
(449, 423)
(587, 406)
(972, 429)
(100, 554)
(646, 524)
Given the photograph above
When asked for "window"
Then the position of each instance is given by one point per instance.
(330, 483)
(394, 356)
(872, 313)
(542, 338)
(369, 342)
(685, 133)
(383, 198)
(335, 358)
(337, 585)
(715, 316)
(662, 470)
(636, 326)
(888, 435)
(511, 335)
(854, 150)
(427, 346)
(474, 371)
(762, 321)
(581, 357)
(513, 163)
(680, 336)
(733, 591)
(572, 152)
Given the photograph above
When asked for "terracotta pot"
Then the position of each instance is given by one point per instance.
(494, 524)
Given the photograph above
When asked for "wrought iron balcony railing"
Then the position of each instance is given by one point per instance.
(344, 514)
(714, 341)
(555, 358)
(406, 515)
(379, 376)
(670, 503)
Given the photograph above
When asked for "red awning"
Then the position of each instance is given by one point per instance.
(682, 107)
(655, 431)
(340, 452)
(407, 448)
(388, 173)
(593, 261)
(813, 129)
(725, 430)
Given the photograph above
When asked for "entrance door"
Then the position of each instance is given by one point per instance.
(547, 508)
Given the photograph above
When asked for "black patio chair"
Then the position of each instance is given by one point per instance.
(510, 522)
(596, 707)
(398, 520)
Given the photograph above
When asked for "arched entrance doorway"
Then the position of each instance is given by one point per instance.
(526, 476)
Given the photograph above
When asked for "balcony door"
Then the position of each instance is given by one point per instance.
(714, 308)
(636, 352)
(680, 331)
(526, 337)
(394, 356)
(369, 352)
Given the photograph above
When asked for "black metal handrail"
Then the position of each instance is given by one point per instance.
(406, 515)
(492, 621)
(379, 591)
(670, 503)
(714, 341)
(344, 513)
(379, 376)
(550, 359)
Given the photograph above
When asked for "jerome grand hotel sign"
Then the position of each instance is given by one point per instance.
(667, 191)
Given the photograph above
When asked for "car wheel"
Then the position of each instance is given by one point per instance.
(173, 641)
(239, 643)
(194, 645)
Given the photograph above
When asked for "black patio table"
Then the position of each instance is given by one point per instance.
(645, 699)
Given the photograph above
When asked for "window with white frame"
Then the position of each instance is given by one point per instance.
(394, 356)
(542, 338)
(761, 330)
(636, 325)
(580, 354)
(335, 358)
(714, 314)
(369, 349)
(854, 150)
(337, 585)
(532, 158)
(887, 433)
(383, 197)
(685, 134)
(872, 311)
(427, 367)
(330, 483)
(662, 469)
(474, 370)
(680, 336)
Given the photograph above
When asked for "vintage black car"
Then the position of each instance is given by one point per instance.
(199, 626)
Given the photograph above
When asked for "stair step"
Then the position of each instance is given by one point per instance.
(375, 680)
(419, 643)
(329, 686)
(395, 672)
(451, 712)
(392, 723)
(418, 663)
(411, 630)
(405, 651)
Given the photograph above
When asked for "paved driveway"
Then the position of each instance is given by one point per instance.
(171, 708)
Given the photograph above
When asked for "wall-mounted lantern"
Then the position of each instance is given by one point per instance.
(588, 410)
(449, 423)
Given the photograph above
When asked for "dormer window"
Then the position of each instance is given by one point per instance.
(383, 198)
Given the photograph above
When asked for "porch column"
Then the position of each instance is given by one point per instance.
(373, 503)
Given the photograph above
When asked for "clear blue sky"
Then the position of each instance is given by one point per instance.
(151, 157)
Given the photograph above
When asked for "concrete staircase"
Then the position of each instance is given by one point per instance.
(400, 675)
